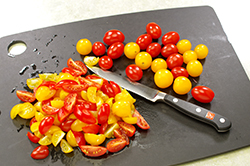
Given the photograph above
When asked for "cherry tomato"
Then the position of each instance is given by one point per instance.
(107, 89)
(128, 128)
(66, 125)
(174, 60)
(119, 133)
(113, 36)
(77, 65)
(94, 139)
(188, 56)
(90, 82)
(143, 41)
(103, 128)
(115, 87)
(143, 60)
(194, 68)
(131, 49)
(79, 137)
(40, 152)
(163, 78)
(103, 113)
(25, 96)
(154, 49)
(98, 48)
(134, 72)
(183, 45)
(105, 62)
(62, 114)
(74, 88)
(33, 120)
(49, 109)
(170, 38)
(122, 108)
(91, 60)
(179, 71)
(158, 64)
(168, 50)
(87, 105)
(73, 72)
(116, 145)
(201, 51)
(45, 124)
(141, 122)
(70, 101)
(91, 128)
(93, 151)
(32, 137)
(154, 30)
(84, 46)
(65, 82)
(27, 111)
(84, 115)
(182, 85)
(202, 94)
(115, 50)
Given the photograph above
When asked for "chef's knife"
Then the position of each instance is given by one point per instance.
(221, 123)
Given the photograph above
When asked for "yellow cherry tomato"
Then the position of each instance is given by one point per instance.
(84, 95)
(46, 140)
(143, 60)
(77, 125)
(188, 56)
(184, 45)
(34, 127)
(94, 139)
(113, 118)
(33, 82)
(91, 94)
(182, 85)
(109, 133)
(66, 148)
(158, 64)
(84, 46)
(201, 51)
(125, 95)
(44, 93)
(15, 111)
(57, 137)
(28, 111)
(39, 116)
(163, 78)
(131, 49)
(91, 60)
(62, 94)
(52, 130)
(194, 68)
(122, 108)
(57, 103)
(130, 120)
(48, 76)
(71, 139)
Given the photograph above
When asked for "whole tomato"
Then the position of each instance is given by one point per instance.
(179, 71)
(154, 30)
(134, 72)
(113, 36)
(154, 49)
(170, 38)
(40, 152)
(143, 41)
(169, 49)
(115, 50)
(174, 60)
(98, 48)
(105, 62)
(202, 94)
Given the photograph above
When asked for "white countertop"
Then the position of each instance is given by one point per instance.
(19, 16)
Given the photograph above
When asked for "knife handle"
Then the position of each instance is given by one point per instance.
(221, 123)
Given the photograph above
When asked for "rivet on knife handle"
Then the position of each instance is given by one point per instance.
(221, 123)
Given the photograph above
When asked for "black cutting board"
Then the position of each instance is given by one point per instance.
(173, 138)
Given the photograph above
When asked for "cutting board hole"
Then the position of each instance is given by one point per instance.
(16, 48)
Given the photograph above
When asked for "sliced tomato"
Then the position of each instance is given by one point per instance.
(40, 152)
(107, 89)
(129, 129)
(25, 96)
(70, 101)
(32, 137)
(49, 109)
(84, 115)
(77, 65)
(119, 133)
(103, 113)
(65, 82)
(33, 120)
(73, 88)
(87, 104)
(103, 128)
(89, 82)
(141, 122)
(79, 136)
(115, 87)
(50, 84)
(72, 72)
(92, 77)
(91, 128)
(93, 151)
(66, 125)
(62, 114)
(45, 124)
(116, 145)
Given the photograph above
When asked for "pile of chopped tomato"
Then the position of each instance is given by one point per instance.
(70, 110)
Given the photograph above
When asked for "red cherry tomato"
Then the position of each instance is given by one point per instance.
(134, 72)
(40, 152)
(154, 49)
(103, 128)
(179, 71)
(141, 122)
(113, 36)
(143, 41)
(66, 125)
(32, 137)
(33, 120)
(170, 38)
(119, 133)
(45, 124)
(169, 49)
(74, 88)
(62, 114)
(202, 94)
(107, 89)
(103, 113)
(71, 71)
(105, 62)
(98, 48)
(84, 115)
(86, 104)
(116, 145)
(49, 109)
(154, 30)
(77, 65)
(115, 87)
(129, 129)
(174, 60)
(79, 136)
(91, 128)
(93, 151)
(65, 82)
(25, 96)
(70, 101)
(115, 50)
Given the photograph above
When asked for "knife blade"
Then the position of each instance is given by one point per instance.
(219, 122)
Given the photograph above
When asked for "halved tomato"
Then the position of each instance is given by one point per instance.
(116, 145)
(70, 101)
(45, 124)
(129, 129)
(49, 109)
(73, 88)
(25, 96)
(65, 82)
(71, 71)
(93, 151)
(62, 114)
(91, 128)
(77, 65)
(32, 137)
(79, 136)
(84, 115)
(141, 122)
(118, 133)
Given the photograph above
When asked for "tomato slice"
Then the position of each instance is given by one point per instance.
(103, 113)
(116, 145)
(33, 120)
(32, 137)
(66, 125)
(62, 114)
(93, 151)
(45, 124)
(141, 122)
(25, 96)
(119, 133)
(79, 136)
(40, 152)
(49, 109)
(115, 87)
(91, 128)
(70, 101)
(65, 82)
(107, 89)
(84, 115)
(77, 65)
(129, 129)
(72, 72)
(89, 82)
(103, 128)
(87, 104)
(73, 88)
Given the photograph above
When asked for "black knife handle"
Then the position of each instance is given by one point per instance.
(221, 123)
